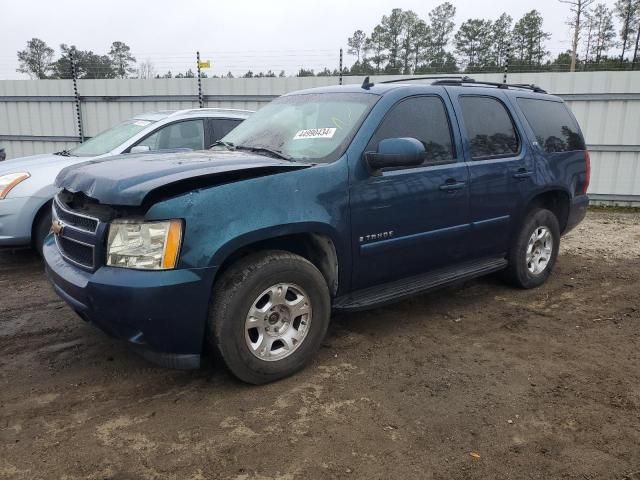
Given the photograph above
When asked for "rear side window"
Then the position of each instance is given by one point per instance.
(222, 126)
(489, 126)
(422, 118)
(554, 127)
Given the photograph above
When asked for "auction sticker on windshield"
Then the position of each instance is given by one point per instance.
(315, 133)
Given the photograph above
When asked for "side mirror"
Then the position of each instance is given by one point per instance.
(396, 152)
(140, 149)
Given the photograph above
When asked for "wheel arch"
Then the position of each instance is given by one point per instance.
(557, 200)
(318, 244)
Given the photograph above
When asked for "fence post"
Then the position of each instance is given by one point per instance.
(506, 62)
(74, 76)
(340, 78)
(200, 101)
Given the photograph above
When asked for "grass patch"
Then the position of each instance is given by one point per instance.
(613, 209)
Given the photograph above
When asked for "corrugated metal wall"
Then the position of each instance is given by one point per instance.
(39, 116)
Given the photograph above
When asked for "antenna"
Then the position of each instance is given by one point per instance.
(366, 84)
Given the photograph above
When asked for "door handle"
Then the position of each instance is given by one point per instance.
(522, 174)
(451, 185)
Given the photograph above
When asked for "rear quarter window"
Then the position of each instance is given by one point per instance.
(553, 125)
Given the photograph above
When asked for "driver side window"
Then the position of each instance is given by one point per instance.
(187, 134)
(422, 118)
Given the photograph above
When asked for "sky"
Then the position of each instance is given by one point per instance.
(235, 35)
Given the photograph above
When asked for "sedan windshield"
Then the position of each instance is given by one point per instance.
(110, 139)
(310, 127)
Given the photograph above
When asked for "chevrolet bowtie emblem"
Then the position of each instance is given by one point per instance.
(57, 227)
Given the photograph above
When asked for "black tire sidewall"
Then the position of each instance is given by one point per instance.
(42, 229)
(520, 274)
(230, 319)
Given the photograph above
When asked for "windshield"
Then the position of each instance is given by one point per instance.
(313, 127)
(110, 139)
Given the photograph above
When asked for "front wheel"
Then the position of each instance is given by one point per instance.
(534, 250)
(270, 312)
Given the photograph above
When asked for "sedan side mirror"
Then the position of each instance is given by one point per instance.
(396, 152)
(140, 149)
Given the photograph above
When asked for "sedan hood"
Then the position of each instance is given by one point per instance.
(33, 161)
(127, 180)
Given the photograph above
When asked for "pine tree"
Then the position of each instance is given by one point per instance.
(393, 26)
(578, 9)
(122, 60)
(589, 35)
(356, 44)
(627, 12)
(409, 38)
(529, 38)
(441, 26)
(376, 44)
(501, 39)
(473, 42)
(604, 31)
(35, 60)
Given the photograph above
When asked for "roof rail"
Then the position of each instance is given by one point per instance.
(471, 81)
(456, 77)
(458, 80)
(209, 109)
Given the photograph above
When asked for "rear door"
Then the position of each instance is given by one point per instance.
(501, 168)
(407, 221)
(558, 142)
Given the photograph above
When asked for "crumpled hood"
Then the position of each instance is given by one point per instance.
(128, 179)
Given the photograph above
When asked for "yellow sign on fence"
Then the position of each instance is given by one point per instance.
(205, 64)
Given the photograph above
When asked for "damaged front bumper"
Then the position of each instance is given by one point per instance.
(164, 312)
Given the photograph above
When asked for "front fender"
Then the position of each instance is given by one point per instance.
(223, 218)
(276, 231)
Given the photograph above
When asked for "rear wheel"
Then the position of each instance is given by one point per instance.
(42, 227)
(534, 250)
(269, 314)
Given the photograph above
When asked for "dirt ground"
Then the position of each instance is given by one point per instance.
(480, 381)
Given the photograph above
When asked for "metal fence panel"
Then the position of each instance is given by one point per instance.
(39, 116)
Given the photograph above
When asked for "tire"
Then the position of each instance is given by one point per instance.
(529, 271)
(260, 290)
(42, 227)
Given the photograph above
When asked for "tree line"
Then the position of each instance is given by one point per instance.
(37, 61)
(405, 43)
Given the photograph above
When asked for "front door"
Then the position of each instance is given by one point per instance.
(411, 220)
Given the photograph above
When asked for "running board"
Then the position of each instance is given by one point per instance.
(399, 289)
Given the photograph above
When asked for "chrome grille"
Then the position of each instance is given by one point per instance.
(76, 252)
(77, 235)
(73, 219)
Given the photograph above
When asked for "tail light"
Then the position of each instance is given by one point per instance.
(587, 165)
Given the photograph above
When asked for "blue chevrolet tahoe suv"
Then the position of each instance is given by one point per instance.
(336, 198)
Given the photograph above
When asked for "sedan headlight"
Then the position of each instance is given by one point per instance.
(144, 245)
(7, 182)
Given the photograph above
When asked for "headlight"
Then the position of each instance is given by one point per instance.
(144, 245)
(7, 182)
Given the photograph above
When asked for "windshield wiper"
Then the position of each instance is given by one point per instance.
(269, 151)
(228, 145)
(64, 153)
